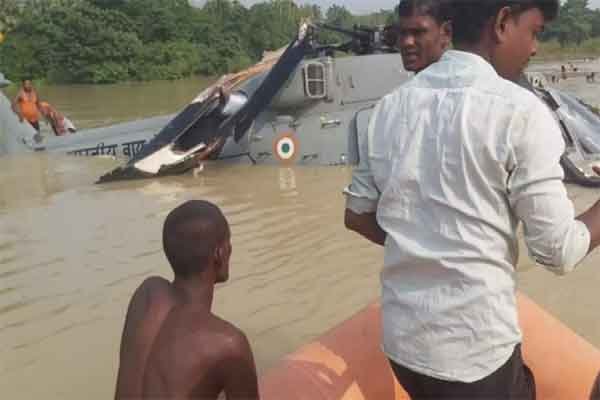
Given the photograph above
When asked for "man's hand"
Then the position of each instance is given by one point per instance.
(365, 225)
(591, 219)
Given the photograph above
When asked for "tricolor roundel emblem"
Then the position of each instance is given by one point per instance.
(286, 147)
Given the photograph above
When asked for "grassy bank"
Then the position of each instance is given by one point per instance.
(553, 51)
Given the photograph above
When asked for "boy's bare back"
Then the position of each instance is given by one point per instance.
(147, 310)
(197, 355)
(173, 347)
(171, 351)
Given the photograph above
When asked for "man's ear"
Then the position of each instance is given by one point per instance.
(501, 23)
(447, 33)
(219, 254)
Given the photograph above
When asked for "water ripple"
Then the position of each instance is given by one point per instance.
(57, 332)
(21, 270)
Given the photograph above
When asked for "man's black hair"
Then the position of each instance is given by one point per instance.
(470, 16)
(439, 10)
(191, 234)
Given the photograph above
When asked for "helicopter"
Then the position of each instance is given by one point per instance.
(297, 106)
(306, 104)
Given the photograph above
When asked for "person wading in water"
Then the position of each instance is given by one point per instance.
(27, 104)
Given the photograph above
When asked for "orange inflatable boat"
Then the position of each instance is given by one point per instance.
(347, 363)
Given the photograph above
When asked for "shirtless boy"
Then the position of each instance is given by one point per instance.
(173, 346)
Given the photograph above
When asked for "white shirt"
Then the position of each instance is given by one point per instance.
(452, 161)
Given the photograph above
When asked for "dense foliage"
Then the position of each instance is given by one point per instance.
(103, 41)
(576, 23)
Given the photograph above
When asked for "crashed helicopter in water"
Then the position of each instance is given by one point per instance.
(299, 106)
(306, 106)
(296, 105)
(302, 105)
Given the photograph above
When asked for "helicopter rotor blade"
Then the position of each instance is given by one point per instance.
(241, 121)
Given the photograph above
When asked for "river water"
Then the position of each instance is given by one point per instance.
(90, 106)
(72, 253)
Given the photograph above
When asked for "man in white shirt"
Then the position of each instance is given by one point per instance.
(452, 162)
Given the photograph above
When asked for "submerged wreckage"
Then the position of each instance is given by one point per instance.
(301, 105)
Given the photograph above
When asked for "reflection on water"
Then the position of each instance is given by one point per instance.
(71, 254)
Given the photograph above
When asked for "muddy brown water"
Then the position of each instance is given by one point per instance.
(72, 253)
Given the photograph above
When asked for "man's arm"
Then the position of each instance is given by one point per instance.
(137, 336)
(365, 225)
(362, 196)
(239, 370)
(37, 99)
(128, 377)
(591, 219)
(555, 238)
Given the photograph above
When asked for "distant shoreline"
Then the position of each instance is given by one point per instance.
(552, 51)
(549, 52)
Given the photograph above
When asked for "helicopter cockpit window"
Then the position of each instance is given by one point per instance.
(315, 84)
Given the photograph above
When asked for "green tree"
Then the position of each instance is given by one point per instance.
(574, 24)
(101, 41)
(9, 11)
(595, 21)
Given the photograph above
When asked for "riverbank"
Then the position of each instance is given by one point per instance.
(553, 51)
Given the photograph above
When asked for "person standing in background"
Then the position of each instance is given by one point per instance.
(424, 32)
(27, 104)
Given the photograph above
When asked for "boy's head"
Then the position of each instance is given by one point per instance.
(507, 29)
(196, 237)
(424, 32)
